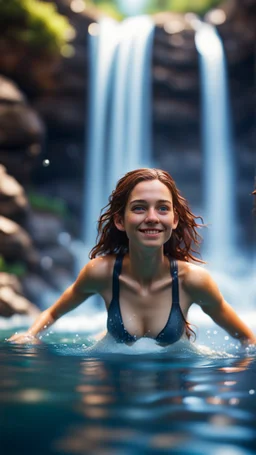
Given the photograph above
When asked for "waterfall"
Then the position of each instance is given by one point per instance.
(231, 267)
(119, 128)
(129, 144)
(219, 163)
(102, 48)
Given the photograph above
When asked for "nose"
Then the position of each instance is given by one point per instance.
(152, 216)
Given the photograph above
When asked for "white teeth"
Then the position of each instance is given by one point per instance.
(151, 232)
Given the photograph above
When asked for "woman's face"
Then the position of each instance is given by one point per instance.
(149, 218)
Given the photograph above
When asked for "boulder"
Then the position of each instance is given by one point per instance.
(16, 244)
(12, 303)
(11, 281)
(13, 201)
(20, 126)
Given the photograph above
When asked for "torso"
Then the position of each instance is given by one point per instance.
(145, 311)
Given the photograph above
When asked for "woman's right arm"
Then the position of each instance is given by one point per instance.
(89, 282)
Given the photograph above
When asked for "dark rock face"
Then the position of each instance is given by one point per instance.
(13, 202)
(26, 237)
(21, 131)
(11, 299)
(15, 243)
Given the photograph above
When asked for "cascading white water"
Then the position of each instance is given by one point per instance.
(102, 48)
(219, 162)
(119, 129)
(230, 266)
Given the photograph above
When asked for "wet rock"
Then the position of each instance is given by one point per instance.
(11, 281)
(16, 244)
(13, 201)
(20, 162)
(9, 92)
(19, 125)
(21, 131)
(12, 303)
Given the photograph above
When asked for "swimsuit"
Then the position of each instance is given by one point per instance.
(174, 328)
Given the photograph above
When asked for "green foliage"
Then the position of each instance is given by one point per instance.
(47, 204)
(16, 268)
(33, 22)
(110, 9)
(182, 6)
(153, 6)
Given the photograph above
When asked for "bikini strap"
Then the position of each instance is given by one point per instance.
(175, 282)
(115, 279)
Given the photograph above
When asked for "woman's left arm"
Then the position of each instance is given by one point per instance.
(205, 292)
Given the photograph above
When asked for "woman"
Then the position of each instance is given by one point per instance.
(144, 268)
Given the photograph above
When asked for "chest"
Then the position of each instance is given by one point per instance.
(145, 311)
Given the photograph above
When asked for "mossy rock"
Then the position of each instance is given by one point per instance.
(34, 23)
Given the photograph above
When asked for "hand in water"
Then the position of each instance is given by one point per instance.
(23, 338)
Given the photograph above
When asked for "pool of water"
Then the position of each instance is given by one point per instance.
(67, 396)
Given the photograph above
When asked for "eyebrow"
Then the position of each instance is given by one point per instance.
(142, 201)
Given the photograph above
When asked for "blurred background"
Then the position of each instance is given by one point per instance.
(47, 59)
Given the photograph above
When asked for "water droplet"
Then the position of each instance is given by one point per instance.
(46, 163)
(252, 392)
(226, 338)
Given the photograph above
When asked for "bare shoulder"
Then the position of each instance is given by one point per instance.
(194, 276)
(100, 267)
(197, 282)
(96, 274)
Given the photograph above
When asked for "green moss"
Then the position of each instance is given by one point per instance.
(182, 6)
(34, 23)
(15, 268)
(154, 6)
(47, 204)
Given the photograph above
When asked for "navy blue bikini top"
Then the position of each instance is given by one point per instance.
(173, 329)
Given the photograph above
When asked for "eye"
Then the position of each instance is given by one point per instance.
(163, 208)
(138, 208)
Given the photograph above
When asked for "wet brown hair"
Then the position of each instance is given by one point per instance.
(185, 240)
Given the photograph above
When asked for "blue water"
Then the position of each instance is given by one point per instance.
(66, 396)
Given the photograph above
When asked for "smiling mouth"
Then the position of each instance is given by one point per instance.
(150, 231)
